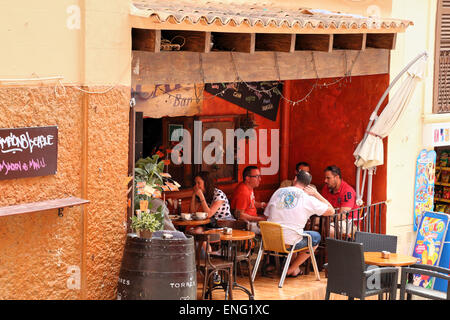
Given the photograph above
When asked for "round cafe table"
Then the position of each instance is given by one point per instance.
(232, 240)
(190, 223)
(236, 235)
(394, 260)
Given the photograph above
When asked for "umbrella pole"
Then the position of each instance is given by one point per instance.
(373, 118)
(358, 178)
(369, 198)
(369, 186)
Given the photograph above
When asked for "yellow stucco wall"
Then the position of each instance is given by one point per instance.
(87, 42)
(39, 43)
(405, 141)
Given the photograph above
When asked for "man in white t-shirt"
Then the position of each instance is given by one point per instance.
(292, 207)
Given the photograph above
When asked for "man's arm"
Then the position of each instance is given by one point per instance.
(344, 209)
(241, 215)
(260, 205)
(313, 192)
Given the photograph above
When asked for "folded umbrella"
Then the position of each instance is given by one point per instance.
(369, 153)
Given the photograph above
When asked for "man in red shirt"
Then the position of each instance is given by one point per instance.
(341, 196)
(243, 204)
(338, 192)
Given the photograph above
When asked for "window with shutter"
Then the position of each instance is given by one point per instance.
(442, 59)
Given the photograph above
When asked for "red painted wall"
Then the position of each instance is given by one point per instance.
(324, 130)
(327, 127)
(217, 107)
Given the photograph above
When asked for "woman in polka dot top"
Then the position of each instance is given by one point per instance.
(207, 198)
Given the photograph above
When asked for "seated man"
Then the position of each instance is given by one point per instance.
(243, 204)
(339, 193)
(299, 166)
(292, 207)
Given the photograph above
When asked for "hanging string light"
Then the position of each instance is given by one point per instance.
(346, 77)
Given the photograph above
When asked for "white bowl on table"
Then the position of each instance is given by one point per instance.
(201, 215)
(186, 216)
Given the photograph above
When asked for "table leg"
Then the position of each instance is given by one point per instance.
(235, 284)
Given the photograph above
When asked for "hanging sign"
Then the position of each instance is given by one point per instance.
(28, 152)
(171, 100)
(429, 244)
(424, 184)
(262, 98)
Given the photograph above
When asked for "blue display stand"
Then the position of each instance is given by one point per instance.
(439, 284)
(424, 184)
(431, 235)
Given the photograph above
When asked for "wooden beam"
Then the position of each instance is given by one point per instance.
(146, 40)
(314, 42)
(194, 41)
(173, 67)
(350, 41)
(381, 40)
(237, 42)
(275, 42)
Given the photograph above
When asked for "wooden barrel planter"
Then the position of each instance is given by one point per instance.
(158, 269)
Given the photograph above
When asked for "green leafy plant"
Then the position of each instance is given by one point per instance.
(148, 182)
(150, 221)
(149, 170)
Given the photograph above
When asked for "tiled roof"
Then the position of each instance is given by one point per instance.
(227, 13)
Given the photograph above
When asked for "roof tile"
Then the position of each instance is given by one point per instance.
(263, 13)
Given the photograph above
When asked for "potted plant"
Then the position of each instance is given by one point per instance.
(146, 222)
(148, 186)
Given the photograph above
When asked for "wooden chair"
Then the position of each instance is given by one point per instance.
(315, 223)
(210, 264)
(273, 244)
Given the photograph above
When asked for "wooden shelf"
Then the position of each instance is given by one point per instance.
(441, 200)
(442, 184)
(59, 204)
(443, 168)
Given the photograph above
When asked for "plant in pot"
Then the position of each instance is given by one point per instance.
(148, 186)
(147, 222)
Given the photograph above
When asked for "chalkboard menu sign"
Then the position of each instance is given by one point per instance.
(28, 152)
(261, 98)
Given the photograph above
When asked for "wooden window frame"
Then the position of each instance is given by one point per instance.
(235, 119)
(190, 170)
(441, 10)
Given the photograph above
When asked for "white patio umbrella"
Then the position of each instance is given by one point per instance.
(369, 152)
